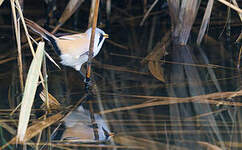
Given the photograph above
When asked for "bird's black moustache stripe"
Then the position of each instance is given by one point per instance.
(100, 39)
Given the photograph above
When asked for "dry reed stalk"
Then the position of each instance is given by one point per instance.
(91, 46)
(91, 14)
(150, 123)
(236, 4)
(205, 114)
(44, 70)
(89, 61)
(173, 100)
(122, 69)
(70, 9)
(238, 63)
(52, 60)
(209, 146)
(80, 145)
(183, 14)
(29, 91)
(145, 85)
(7, 60)
(231, 6)
(117, 44)
(25, 28)
(20, 62)
(8, 128)
(148, 12)
(205, 21)
(46, 54)
(145, 5)
(17, 35)
(27, 35)
(152, 33)
(142, 142)
(239, 38)
(38, 141)
(233, 144)
(176, 132)
(178, 63)
(35, 129)
(141, 16)
(1, 2)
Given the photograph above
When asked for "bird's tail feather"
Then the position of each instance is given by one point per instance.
(44, 33)
(36, 28)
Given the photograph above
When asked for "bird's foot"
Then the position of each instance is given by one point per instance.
(88, 84)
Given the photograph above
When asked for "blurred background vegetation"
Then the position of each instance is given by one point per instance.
(167, 78)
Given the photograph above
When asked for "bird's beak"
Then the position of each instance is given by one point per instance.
(105, 36)
(111, 134)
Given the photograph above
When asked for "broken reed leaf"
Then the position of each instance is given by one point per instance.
(209, 146)
(156, 70)
(71, 7)
(35, 129)
(53, 102)
(30, 90)
(155, 65)
(153, 58)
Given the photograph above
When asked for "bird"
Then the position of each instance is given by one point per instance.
(72, 49)
(79, 127)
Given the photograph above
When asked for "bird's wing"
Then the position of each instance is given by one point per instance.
(73, 36)
(74, 45)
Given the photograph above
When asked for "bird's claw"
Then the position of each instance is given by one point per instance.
(88, 84)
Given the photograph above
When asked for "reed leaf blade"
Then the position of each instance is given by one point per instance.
(30, 90)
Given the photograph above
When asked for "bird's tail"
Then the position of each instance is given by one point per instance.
(36, 28)
(44, 33)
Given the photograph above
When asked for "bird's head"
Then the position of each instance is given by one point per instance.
(100, 36)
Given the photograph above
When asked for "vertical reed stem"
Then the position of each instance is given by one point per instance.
(91, 46)
(17, 34)
(88, 73)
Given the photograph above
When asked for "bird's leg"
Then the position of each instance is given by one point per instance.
(87, 81)
(83, 75)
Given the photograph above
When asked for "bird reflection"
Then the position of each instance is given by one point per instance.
(79, 127)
